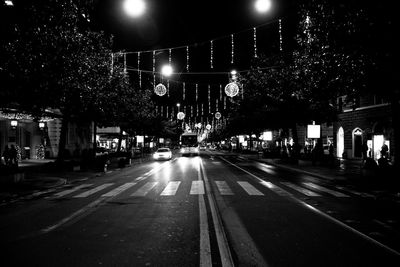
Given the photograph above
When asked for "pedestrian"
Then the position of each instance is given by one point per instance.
(365, 151)
(13, 156)
(331, 157)
(6, 155)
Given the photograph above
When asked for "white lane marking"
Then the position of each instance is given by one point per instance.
(251, 190)
(145, 189)
(197, 188)
(118, 190)
(69, 191)
(301, 190)
(205, 247)
(276, 189)
(94, 190)
(171, 188)
(223, 246)
(326, 190)
(317, 211)
(223, 188)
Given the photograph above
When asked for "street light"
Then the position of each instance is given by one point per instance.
(166, 70)
(178, 105)
(134, 8)
(14, 124)
(263, 6)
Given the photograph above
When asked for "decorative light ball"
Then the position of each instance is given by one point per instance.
(208, 127)
(218, 115)
(160, 89)
(180, 115)
(199, 125)
(231, 89)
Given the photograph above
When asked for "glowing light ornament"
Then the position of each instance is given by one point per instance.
(255, 41)
(191, 111)
(139, 72)
(160, 89)
(202, 109)
(232, 49)
(280, 35)
(208, 127)
(112, 63)
(180, 115)
(231, 89)
(209, 97)
(197, 92)
(167, 112)
(187, 58)
(218, 115)
(162, 111)
(211, 54)
(224, 103)
(183, 91)
(168, 88)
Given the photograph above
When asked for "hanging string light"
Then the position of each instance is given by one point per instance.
(191, 111)
(280, 35)
(170, 56)
(167, 112)
(224, 102)
(209, 98)
(139, 72)
(154, 68)
(183, 91)
(197, 92)
(162, 111)
(211, 54)
(168, 88)
(220, 92)
(202, 109)
(187, 58)
(216, 104)
(255, 41)
(233, 49)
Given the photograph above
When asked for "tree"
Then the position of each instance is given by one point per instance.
(54, 60)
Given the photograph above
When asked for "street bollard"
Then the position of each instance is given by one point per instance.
(105, 167)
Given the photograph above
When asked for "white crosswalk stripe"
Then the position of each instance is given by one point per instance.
(197, 188)
(223, 188)
(94, 190)
(70, 191)
(171, 188)
(301, 190)
(276, 189)
(326, 190)
(145, 189)
(251, 190)
(118, 190)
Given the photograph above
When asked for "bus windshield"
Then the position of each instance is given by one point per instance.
(189, 140)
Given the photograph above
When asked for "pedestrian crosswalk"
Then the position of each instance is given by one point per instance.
(197, 187)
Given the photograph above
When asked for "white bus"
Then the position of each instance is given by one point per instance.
(189, 144)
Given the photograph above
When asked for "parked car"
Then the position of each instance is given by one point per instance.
(202, 148)
(163, 153)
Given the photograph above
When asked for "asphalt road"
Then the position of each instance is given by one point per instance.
(212, 210)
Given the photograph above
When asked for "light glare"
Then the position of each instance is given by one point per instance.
(263, 5)
(166, 70)
(134, 8)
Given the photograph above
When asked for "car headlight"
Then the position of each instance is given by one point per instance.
(182, 150)
(196, 150)
(156, 156)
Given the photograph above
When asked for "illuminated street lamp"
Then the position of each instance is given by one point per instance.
(134, 8)
(167, 70)
(262, 6)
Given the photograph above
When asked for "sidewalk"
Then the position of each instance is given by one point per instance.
(41, 175)
(344, 170)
